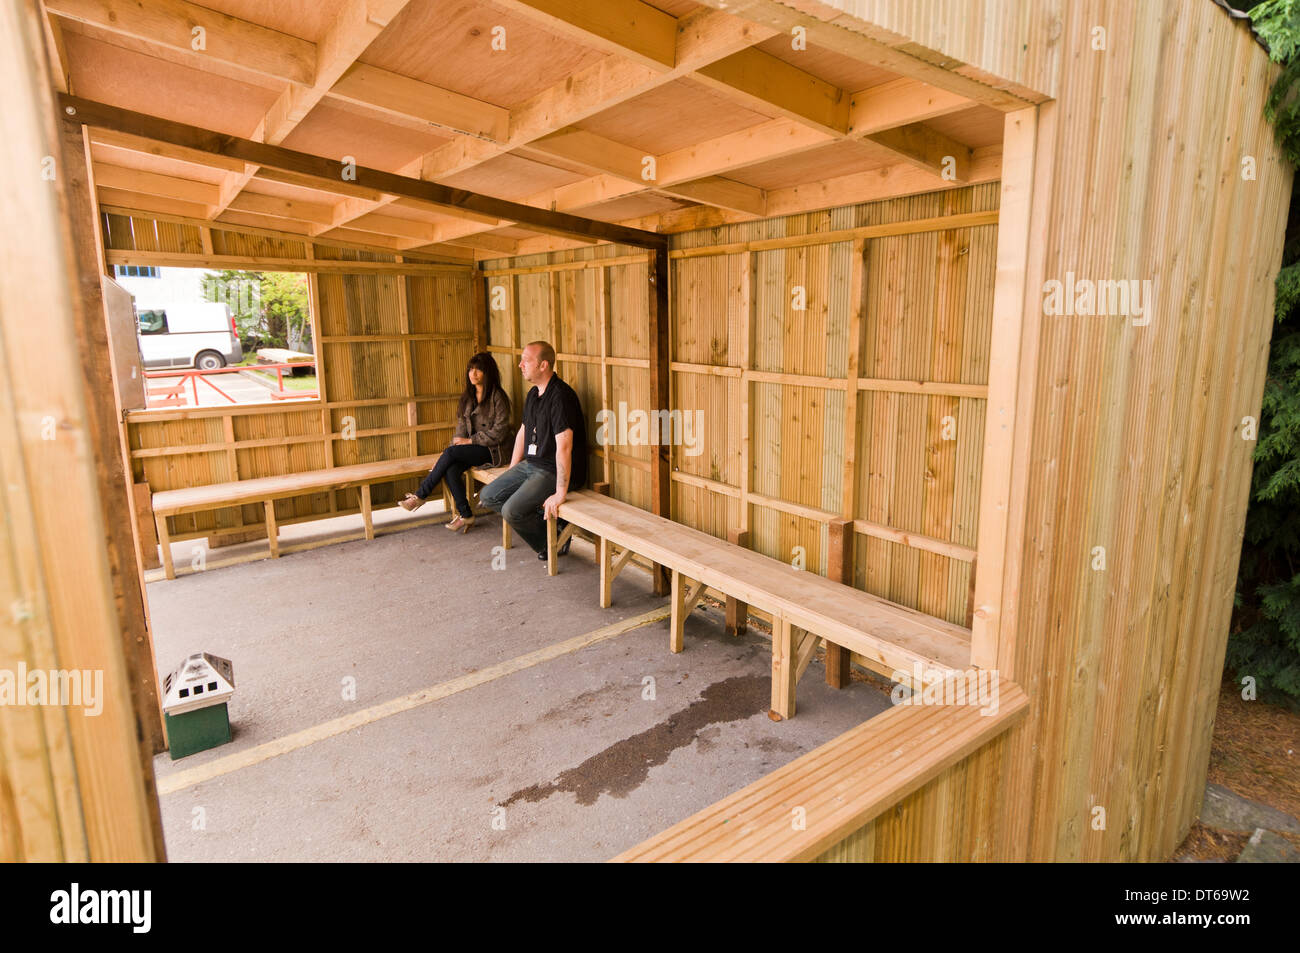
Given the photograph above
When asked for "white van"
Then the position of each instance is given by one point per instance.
(201, 335)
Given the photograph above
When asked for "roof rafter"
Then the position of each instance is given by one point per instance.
(328, 170)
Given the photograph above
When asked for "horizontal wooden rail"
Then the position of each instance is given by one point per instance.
(396, 336)
(890, 385)
(914, 227)
(285, 440)
(641, 259)
(930, 544)
(251, 263)
(144, 416)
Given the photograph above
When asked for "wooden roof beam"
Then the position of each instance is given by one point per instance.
(702, 38)
(768, 84)
(328, 170)
(151, 183)
(358, 24)
(172, 23)
(839, 34)
(627, 28)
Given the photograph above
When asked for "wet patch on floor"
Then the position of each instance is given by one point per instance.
(622, 767)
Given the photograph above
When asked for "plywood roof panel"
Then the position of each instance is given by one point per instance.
(334, 133)
(449, 43)
(848, 74)
(671, 117)
(824, 162)
(306, 19)
(510, 176)
(161, 165)
(120, 77)
(186, 57)
(976, 127)
(633, 206)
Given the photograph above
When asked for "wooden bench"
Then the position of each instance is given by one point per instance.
(483, 475)
(838, 788)
(805, 607)
(266, 490)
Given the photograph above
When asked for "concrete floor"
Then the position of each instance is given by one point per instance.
(555, 756)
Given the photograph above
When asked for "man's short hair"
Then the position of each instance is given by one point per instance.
(544, 353)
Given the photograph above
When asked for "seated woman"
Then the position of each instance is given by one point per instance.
(483, 437)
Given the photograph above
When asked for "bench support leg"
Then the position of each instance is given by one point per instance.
(784, 670)
(804, 653)
(272, 530)
(737, 611)
(552, 545)
(684, 596)
(505, 534)
(165, 544)
(365, 511)
(610, 566)
(840, 539)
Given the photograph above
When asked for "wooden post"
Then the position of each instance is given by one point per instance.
(76, 786)
(478, 295)
(840, 540)
(737, 611)
(365, 511)
(660, 324)
(783, 670)
(107, 438)
(552, 561)
(272, 531)
(165, 546)
(676, 624)
(606, 576)
(145, 530)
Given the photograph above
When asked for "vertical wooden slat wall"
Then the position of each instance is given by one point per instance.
(761, 338)
(392, 349)
(1136, 447)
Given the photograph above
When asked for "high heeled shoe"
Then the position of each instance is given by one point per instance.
(411, 503)
(461, 524)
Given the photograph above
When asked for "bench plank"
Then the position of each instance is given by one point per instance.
(882, 631)
(261, 489)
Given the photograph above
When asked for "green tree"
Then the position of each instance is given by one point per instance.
(270, 307)
(1265, 638)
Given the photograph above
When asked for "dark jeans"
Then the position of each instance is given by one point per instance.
(453, 463)
(518, 495)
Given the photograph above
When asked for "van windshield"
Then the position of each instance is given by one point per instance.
(153, 322)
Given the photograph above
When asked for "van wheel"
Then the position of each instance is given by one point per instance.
(209, 361)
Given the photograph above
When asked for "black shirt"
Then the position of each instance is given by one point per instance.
(555, 411)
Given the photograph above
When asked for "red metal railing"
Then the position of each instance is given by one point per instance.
(175, 394)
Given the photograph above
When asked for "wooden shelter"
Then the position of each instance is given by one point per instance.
(831, 227)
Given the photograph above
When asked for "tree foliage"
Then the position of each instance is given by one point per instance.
(270, 308)
(1265, 639)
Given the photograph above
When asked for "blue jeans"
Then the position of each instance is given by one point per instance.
(518, 495)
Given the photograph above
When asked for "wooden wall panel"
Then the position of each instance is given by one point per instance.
(763, 337)
(393, 351)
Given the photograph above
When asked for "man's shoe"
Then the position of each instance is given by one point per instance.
(562, 551)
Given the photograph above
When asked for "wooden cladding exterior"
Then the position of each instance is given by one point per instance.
(1128, 437)
(392, 350)
(836, 364)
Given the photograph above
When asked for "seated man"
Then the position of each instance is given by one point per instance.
(550, 455)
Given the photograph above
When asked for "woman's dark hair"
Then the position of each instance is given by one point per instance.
(486, 363)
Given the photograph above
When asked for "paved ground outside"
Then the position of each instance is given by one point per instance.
(400, 699)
